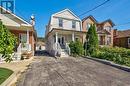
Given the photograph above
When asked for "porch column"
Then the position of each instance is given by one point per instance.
(73, 36)
(56, 36)
(27, 36)
(106, 38)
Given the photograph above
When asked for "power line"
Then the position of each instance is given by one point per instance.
(94, 8)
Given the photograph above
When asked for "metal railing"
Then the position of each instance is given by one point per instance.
(67, 48)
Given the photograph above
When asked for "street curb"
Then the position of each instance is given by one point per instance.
(122, 67)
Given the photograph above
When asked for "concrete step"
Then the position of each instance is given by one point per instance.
(17, 56)
(64, 54)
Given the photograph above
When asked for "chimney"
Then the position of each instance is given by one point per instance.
(32, 20)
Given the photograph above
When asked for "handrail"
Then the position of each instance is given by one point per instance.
(57, 48)
(19, 48)
(67, 48)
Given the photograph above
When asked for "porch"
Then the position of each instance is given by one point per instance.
(65, 37)
(58, 41)
(104, 39)
(24, 44)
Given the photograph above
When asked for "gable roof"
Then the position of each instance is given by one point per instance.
(125, 33)
(68, 11)
(91, 17)
(108, 20)
(12, 14)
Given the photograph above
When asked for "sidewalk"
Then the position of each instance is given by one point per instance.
(18, 67)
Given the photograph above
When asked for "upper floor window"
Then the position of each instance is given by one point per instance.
(108, 28)
(73, 24)
(88, 25)
(60, 22)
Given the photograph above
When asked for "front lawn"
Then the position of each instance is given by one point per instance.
(4, 74)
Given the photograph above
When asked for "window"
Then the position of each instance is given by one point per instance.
(76, 39)
(108, 28)
(73, 24)
(23, 38)
(60, 22)
(128, 41)
(88, 26)
(109, 40)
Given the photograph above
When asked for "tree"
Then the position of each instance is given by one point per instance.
(92, 41)
(7, 43)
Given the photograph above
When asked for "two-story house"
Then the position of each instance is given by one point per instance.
(62, 28)
(104, 29)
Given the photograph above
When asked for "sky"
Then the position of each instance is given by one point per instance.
(116, 10)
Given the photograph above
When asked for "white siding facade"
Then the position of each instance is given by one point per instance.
(67, 16)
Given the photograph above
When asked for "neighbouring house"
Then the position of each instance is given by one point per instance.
(24, 31)
(104, 29)
(63, 27)
(122, 38)
(40, 45)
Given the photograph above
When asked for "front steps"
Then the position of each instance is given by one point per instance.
(64, 53)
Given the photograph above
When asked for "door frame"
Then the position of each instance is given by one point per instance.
(62, 40)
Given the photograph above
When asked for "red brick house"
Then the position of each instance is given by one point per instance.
(122, 38)
(24, 31)
(104, 29)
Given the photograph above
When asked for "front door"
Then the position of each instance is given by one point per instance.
(102, 40)
(61, 40)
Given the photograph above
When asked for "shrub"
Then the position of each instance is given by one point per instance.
(7, 42)
(76, 48)
(115, 54)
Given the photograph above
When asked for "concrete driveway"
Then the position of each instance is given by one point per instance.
(47, 71)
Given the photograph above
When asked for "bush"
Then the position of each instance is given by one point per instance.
(76, 48)
(115, 54)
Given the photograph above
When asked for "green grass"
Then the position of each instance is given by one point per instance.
(4, 74)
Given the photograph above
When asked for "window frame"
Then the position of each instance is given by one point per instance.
(73, 24)
(22, 38)
(128, 41)
(60, 22)
(88, 25)
(108, 27)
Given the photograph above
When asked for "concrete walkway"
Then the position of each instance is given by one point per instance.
(18, 67)
(47, 71)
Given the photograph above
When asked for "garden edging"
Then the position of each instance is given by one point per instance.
(122, 67)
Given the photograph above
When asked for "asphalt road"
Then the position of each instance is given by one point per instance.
(48, 71)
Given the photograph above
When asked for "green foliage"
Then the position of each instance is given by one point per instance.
(115, 54)
(92, 40)
(76, 48)
(7, 42)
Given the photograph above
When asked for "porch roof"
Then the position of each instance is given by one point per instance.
(65, 31)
